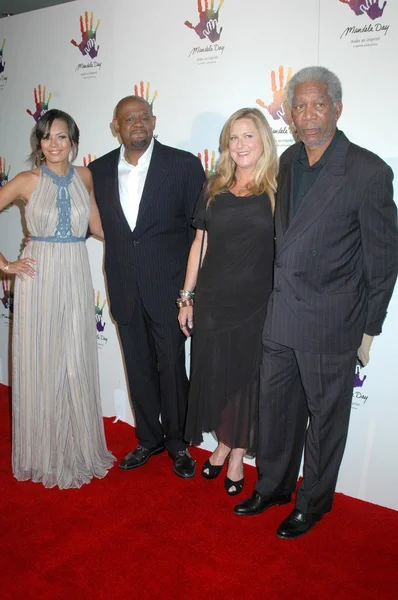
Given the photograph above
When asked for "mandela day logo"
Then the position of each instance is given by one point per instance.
(88, 47)
(3, 78)
(358, 396)
(99, 322)
(41, 104)
(144, 91)
(278, 108)
(207, 28)
(7, 302)
(204, 159)
(4, 172)
(88, 159)
(370, 34)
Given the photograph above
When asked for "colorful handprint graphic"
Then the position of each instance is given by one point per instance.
(144, 92)
(278, 108)
(8, 296)
(4, 172)
(39, 94)
(2, 62)
(98, 313)
(358, 382)
(207, 28)
(205, 162)
(88, 45)
(88, 159)
(371, 8)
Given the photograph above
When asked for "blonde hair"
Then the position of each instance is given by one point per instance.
(265, 173)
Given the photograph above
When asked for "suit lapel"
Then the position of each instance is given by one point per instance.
(157, 171)
(320, 194)
(112, 182)
(283, 198)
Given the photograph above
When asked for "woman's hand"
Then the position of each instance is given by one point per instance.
(21, 267)
(185, 319)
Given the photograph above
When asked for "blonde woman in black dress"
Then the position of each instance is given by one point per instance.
(235, 243)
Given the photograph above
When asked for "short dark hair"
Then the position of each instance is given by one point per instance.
(127, 98)
(43, 127)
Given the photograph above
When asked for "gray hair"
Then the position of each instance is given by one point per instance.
(316, 74)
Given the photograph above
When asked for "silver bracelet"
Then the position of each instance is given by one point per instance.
(187, 294)
(5, 269)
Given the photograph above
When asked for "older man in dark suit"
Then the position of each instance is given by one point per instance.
(335, 269)
(146, 194)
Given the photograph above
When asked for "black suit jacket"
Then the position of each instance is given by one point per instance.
(152, 257)
(336, 262)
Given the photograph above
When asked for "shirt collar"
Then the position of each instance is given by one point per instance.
(143, 161)
(303, 158)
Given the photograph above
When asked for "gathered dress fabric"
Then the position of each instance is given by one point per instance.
(233, 286)
(58, 432)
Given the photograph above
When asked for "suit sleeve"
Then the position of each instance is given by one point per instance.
(379, 239)
(193, 187)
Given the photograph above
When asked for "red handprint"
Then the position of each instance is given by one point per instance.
(144, 91)
(278, 109)
(88, 160)
(209, 171)
(39, 94)
(3, 172)
(89, 36)
(208, 21)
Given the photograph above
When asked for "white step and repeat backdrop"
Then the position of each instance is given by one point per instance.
(198, 61)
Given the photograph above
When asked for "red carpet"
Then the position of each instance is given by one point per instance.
(146, 534)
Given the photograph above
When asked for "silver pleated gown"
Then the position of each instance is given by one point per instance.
(58, 433)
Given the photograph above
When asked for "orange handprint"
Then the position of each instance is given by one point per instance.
(88, 45)
(39, 94)
(278, 109)
(144, 91)
(205, 162)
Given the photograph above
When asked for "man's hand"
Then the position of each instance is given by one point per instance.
(364, 349)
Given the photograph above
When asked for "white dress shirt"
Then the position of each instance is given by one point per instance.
(131, 183)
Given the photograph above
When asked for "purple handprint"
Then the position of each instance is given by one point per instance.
(358, 382)
(8, 298)
(88, 45)
(208, 21)
(98, 314)
(2, 62)
(369, 7)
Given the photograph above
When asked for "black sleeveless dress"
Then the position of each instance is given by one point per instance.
(232, 291)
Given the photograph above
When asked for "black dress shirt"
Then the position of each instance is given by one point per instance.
(304, 175)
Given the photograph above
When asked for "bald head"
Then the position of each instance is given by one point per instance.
(127, 100)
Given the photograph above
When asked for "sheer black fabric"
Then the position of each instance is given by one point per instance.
(232, 291)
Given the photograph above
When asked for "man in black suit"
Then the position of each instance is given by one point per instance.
(146, 194)
(336, 263)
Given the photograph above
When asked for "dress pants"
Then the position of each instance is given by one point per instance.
(304, 399)
(154, 355)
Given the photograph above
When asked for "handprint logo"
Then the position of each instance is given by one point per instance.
(144, 91)
(358, 382)
(369, 7)
(88, 45)
(2, 63)
(205, 162)
(278, 109)
(3, 172)
(8, 296)
(98, 313)
(208, 21)
(39, 94)
(87, 160)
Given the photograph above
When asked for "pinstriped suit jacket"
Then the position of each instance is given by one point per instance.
(153, 255)
(337, 261)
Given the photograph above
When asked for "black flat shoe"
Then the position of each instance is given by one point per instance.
(233, 487)
(297, 524)
(139, 456)
(258, 503)
(210, 471)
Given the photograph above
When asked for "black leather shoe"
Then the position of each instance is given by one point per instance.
(259, 503)
(297, 524)
(183, 464)
(139, 456)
